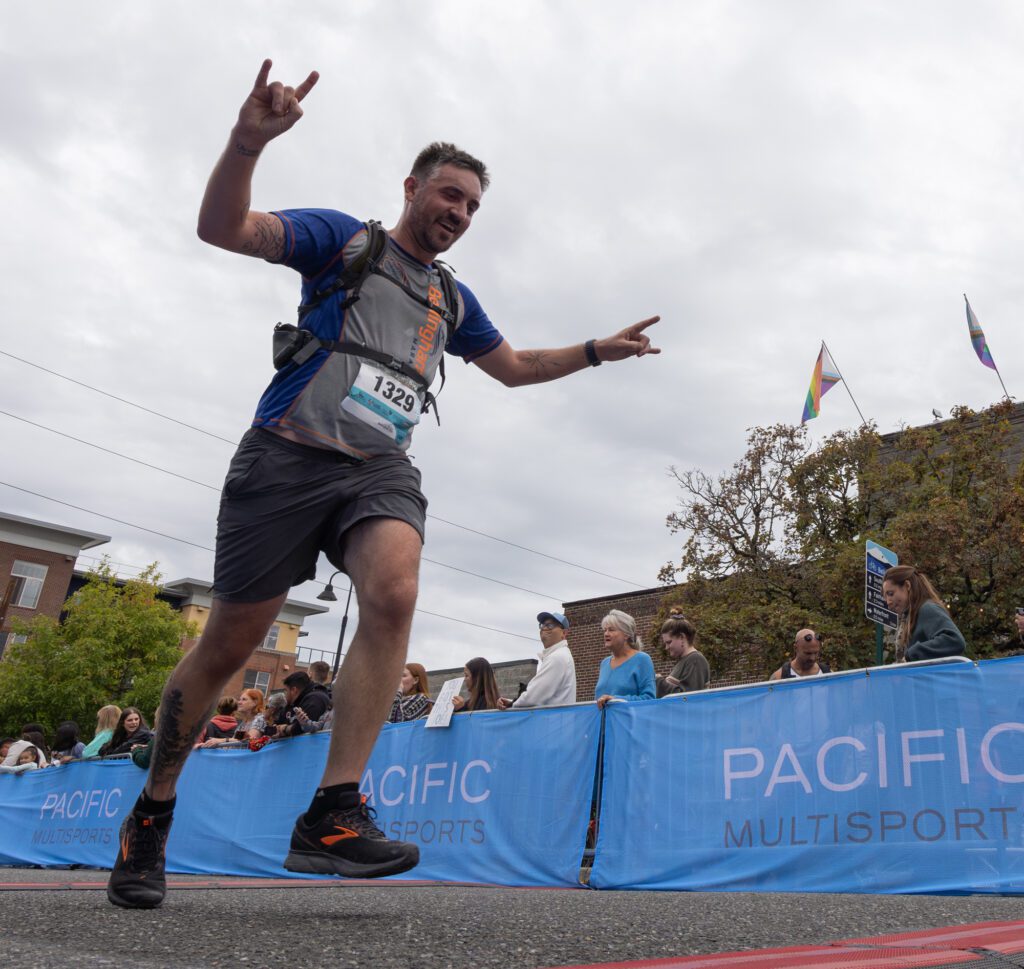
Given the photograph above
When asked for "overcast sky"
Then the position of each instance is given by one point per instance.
(765, 175)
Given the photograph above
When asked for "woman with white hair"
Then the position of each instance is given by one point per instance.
(628, 673)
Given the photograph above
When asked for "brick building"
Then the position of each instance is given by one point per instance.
(37, 569)
(276, 658)
(37, 565)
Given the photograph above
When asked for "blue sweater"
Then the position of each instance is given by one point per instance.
(633, 680)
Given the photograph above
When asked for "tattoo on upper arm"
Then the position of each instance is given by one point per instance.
(266, 238)
(173, 741)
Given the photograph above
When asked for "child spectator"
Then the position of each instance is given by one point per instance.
(5, 745)
(412, 701)
(106, 720)
(67, 745)
(22, 756)
(35, 737)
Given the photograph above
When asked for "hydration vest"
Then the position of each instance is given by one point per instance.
(294, 345)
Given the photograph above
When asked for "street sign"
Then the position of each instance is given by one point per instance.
(877, 561)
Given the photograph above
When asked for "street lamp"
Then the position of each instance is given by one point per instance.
(328, 596)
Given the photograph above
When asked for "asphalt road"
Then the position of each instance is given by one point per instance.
(53, 923)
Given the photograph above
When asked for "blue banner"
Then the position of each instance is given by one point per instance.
(501, 798)
(906, 779)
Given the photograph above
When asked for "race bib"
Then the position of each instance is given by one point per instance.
(385, 400)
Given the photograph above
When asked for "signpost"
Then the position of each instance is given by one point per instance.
(877, 560)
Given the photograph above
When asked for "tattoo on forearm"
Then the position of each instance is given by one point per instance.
(245, 152)
(542, 365)
(267, 238)
(174, 741)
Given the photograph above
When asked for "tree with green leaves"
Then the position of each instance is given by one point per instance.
(777, 542)
(117, 643)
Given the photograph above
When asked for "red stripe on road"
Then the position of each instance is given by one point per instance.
(995, 936)
(800, 957)
(930, 947)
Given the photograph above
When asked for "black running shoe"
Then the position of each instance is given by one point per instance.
(138, 879)
(347, 842)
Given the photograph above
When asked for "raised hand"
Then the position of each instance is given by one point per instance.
(630, 342)
(270, 109)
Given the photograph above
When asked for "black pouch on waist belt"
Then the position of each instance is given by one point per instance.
(292, 345)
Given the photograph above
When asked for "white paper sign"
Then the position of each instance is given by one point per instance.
(441, 715)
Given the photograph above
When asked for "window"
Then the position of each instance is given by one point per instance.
(28, 584)
(6, 639)
(271, 641)
(256, 680)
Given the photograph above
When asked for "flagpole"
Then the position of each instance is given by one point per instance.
(846, 385)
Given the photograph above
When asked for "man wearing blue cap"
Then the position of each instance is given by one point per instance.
(554, 683)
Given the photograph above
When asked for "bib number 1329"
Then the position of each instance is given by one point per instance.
(397, 395)
(385, 401)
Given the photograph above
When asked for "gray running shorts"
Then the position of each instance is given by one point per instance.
(284, 503)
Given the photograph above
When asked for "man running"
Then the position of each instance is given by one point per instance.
(324, 468)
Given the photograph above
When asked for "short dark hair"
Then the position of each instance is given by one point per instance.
(439, 153)
(227, 706)
(299, 678)
(679, 626)
(319, 671)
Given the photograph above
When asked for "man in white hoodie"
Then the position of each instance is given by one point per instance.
(554, 683)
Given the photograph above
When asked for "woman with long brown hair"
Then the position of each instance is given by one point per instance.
(482, 687)
(926, 630)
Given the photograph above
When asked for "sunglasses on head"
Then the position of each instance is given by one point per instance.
(807, 637)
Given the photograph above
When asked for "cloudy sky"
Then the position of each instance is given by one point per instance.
(765, 175)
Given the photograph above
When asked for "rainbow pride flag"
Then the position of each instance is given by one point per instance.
(824, 378)
(978, 338)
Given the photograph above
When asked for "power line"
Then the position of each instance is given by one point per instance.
(206, 548)
(203, 484)
(120, 521)
(123, 400)
(106, 450)
(553, 558)
(148, 410)
(436, 615)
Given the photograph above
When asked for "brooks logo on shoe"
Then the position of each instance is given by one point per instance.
(333, 839)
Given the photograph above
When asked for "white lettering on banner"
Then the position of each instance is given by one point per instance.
(731, 775)
(797, 777)
(95, 803)
(466, 796)
(398, 785)
(939, 747)
(823, 752)
(909, 758)
(986, 753)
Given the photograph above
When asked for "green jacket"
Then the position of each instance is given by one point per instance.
(934, 635)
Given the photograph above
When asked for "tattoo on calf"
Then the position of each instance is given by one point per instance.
(173, 744)
(267, 238)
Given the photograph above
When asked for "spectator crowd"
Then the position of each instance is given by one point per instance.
(305, 705)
